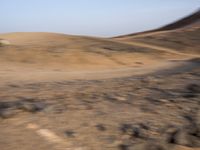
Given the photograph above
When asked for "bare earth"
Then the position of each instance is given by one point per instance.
(63, 92)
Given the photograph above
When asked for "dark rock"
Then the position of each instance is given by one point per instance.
(189, 118)
(6, 105)
(101, 127)
(7, 109)
(172, 135)
(148, 108)
(192, 127)
(69, 133)
(155, 101)
(181, 137)
(144, 126)
(193, 88)
(125, 128)
(26, 107)
(136, 132)
(189, 95)
(39, 106)
(139, 63)
(133, 131)
(192, 91)
(7, 113)
(32, 107)
(123, 147)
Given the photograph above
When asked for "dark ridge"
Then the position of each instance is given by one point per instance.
(186, 21)
(195, 17)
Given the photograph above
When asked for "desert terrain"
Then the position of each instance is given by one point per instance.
(133, 92)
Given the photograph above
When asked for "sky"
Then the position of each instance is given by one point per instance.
(104, 18)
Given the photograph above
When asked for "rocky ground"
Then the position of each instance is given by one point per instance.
(157, 111)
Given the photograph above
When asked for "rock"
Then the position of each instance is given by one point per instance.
(39, 106)
(4, 42)
(136, 132)
(132, 131)
(7, 109)
(69, 133)
(120, 98)
(192, 127)
(172, 134)
(189, 95)
(192, 91)
(193, 88)
(31, 106)
(6, 105)
(101, 127)
(126, 128)
(182, 137)
(123, 147)
(7, 113)
(117, 98)
(144, 126)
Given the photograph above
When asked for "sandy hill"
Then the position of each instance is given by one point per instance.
(70, 51)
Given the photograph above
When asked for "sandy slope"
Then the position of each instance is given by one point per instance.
(48, 56)
(185, 41)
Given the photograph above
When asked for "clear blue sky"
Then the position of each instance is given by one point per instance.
(91, 17)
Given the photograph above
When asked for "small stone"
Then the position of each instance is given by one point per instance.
(7, 109)
(7, 113)
(125, 128)
(182, 137)
(136, 132)
(144, 126)
(172, 135)
(194, 88)
(123, 147)
(192, 91)
(120, 98)
(101, 127)
(132, 131)
(32, 107)
(69, 133)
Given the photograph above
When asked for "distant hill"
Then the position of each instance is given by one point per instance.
(51, 51)
(187, 21)
(191, 20)
(181, 36)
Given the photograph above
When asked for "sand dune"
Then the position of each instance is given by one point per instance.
(66, 55)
